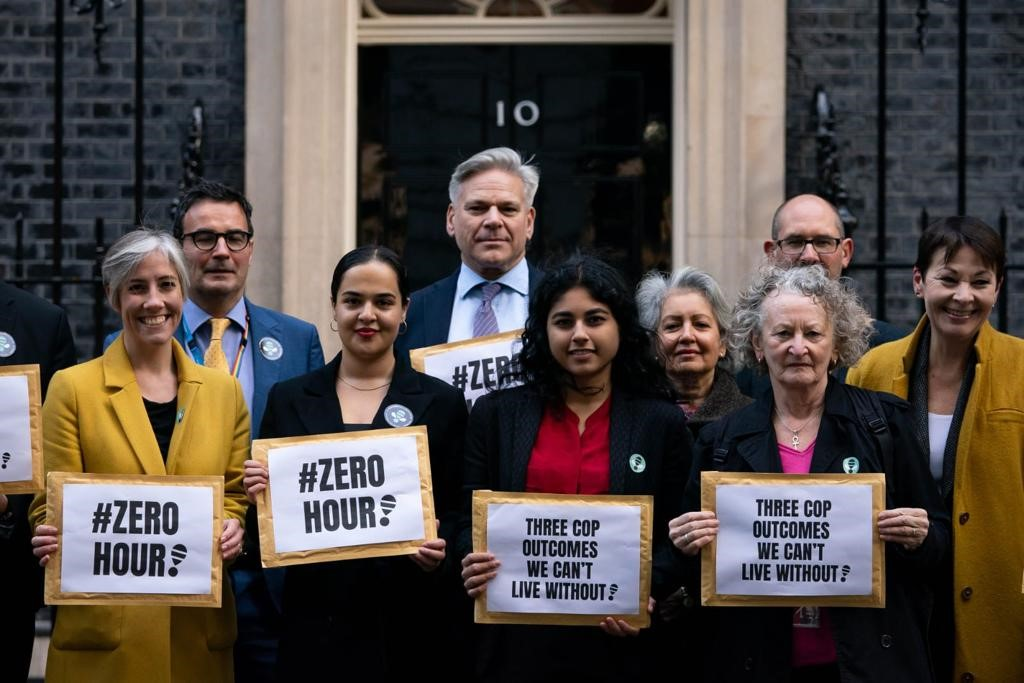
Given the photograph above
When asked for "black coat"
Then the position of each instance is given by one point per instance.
(890, 644)
(42, 336)
(380, 616)
(502, 430)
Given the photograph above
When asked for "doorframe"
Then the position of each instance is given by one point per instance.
(728, 128)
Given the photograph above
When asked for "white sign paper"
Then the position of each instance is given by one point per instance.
(137, 539)
(794, 540)
(343, 493)
(15, 429)
(474, 368)
(564, 559)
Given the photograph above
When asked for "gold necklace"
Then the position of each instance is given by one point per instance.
(346, 382)
(795, 432)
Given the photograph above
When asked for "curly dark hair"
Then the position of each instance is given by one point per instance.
(634, 368)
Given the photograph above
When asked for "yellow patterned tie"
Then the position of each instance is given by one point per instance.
(215, 357)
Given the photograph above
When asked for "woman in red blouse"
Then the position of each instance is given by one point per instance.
(593, 416)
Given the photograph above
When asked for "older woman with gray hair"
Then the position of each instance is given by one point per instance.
(144, 408)
(689, 320)
(796, 324)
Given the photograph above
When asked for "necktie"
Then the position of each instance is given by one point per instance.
(214, 357)
(485, 322)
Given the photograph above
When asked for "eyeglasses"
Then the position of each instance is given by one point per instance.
(794, 246)
(206, 240)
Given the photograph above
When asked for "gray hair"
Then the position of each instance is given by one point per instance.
(851, 324)
(503, 159)
(125, 255)
(656, 287)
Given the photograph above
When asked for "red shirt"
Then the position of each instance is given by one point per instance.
(565, 461)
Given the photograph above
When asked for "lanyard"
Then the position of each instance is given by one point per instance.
(193, 345)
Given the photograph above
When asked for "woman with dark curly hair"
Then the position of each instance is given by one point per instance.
(593, 398)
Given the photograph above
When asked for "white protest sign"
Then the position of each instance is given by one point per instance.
(358, 494)
(796, 537)
(473, 366)
(567, 559)
(21, 469)
(120, 536)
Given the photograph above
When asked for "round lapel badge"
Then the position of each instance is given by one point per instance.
(7, 345)
(851, 465)
(271, 348)
(637, 463)
(398, 415)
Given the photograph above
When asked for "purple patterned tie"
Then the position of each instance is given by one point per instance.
(485, 322)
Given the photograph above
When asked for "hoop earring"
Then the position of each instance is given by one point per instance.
(400, 330)
(334, 326)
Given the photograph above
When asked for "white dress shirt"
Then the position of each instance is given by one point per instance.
(510, 304)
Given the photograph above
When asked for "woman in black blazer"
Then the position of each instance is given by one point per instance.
(585, 361)
(377, 617)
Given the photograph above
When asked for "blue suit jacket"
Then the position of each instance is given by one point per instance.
(298, 339)
(430, 312)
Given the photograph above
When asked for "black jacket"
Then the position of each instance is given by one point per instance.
(369, 614)
(502, 430)
(890, 644)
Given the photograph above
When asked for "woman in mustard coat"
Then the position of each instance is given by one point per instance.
(963, 381)
(145, 407)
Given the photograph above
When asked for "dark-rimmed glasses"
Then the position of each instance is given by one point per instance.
(206, 240)
(794, 246)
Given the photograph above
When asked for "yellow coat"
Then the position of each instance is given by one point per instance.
(988, 499)
(94, 421)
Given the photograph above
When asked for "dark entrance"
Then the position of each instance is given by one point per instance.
(596, 118)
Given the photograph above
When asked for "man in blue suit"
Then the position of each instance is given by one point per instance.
(491, 218)
(220, 327)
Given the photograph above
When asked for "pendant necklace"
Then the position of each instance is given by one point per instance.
(795, 441)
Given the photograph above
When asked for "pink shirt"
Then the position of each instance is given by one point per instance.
(813, 642)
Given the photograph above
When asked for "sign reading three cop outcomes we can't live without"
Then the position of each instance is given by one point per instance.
(132, 539)
(796, 540)
(344, 496)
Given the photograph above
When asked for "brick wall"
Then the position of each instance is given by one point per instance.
(834, 44)
(193, 49)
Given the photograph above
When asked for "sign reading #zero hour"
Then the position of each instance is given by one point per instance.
(797, 540)
(131, 539)
(474, 366)
(21, 430)
(343, 496)
(565, 559)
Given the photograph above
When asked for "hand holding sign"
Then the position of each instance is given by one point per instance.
(231, 539)
(692, 531)
(906, 526)
(477, 570)
(44, 543)
(255, 479)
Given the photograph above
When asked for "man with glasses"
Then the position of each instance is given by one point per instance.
(222, 328)
(807, 231)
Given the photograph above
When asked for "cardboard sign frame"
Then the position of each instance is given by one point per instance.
(483, 498)
(52, 593)
(264, 510)
(709, 483)
(417, 357)
(35, 424)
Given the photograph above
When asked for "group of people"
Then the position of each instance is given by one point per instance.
(669, 371)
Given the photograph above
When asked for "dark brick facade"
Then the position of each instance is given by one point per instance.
(835, 44)
(193, 49)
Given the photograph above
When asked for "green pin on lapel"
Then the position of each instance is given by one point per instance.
(851, 465)
(637, 463)
(181, 414)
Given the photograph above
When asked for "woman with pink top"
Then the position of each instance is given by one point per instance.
(797, 325)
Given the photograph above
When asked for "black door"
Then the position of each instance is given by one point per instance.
(596, 119)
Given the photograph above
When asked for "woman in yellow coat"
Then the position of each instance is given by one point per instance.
(145, 407)
(963, 380)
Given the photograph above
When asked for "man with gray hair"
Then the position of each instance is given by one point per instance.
(491, 218)
(807, 231)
